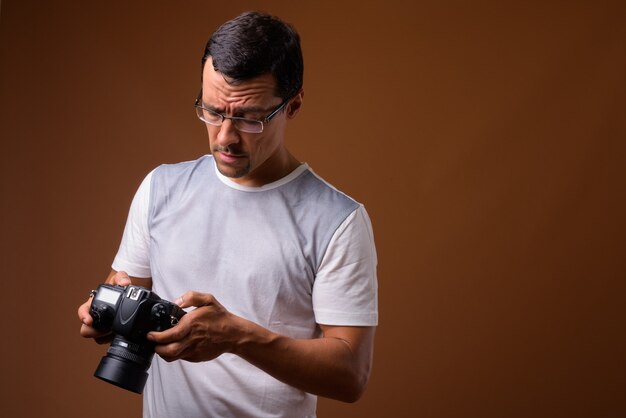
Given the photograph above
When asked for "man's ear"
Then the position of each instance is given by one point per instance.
(296, 103)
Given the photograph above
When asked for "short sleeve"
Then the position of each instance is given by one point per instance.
(345, 291)
(133, 256)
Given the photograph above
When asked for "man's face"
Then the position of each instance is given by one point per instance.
(250, 159)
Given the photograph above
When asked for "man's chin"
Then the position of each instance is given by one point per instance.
(232, 172)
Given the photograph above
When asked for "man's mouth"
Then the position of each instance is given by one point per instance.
(230, 158)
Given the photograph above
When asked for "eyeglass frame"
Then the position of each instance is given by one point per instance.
(263, 121)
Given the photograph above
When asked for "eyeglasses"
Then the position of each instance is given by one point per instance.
(252, 126)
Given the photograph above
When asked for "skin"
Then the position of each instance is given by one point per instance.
(336, 365)
(249, 159)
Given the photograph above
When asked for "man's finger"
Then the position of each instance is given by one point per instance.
(195, 299)
(83, 313)
(121, 278)
(99, 337)
(169, 352)
(176, 333)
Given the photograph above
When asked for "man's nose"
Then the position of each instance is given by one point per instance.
(227, 134)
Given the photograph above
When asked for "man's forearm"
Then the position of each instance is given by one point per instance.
(336, 365)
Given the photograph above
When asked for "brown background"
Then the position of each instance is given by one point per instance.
(487, 142)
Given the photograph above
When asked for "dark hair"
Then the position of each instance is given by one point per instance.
(255, 43)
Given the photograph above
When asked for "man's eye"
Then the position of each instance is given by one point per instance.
(248, 122)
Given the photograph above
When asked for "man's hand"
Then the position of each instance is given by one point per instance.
(86, 330)
(337, 365)
(203, 334)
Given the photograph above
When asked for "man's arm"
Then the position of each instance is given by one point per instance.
(337, 365)
(118, 278)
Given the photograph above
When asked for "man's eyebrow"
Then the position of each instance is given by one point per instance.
(239, 110)
(210, 107)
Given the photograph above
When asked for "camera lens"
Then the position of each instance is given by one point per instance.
(126, 364)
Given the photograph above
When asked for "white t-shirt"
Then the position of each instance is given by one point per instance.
(289, 255)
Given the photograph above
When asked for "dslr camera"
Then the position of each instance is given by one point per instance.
(129, 312)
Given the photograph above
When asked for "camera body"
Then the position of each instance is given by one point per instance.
(129, 312)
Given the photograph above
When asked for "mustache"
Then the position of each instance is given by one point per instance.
(228, 150)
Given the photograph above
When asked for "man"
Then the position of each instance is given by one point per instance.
(278, 266)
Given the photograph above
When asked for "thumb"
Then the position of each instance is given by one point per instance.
(196, 299)
(121, 278)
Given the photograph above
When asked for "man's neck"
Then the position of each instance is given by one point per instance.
(270, 171)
